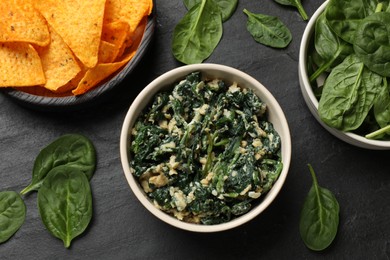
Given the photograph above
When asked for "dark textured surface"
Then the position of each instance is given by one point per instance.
(122, 229)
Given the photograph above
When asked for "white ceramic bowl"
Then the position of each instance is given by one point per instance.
(228, 74)
(311, 100)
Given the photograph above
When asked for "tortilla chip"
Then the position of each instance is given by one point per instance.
(112, 11)
(97, 75)
(79, 23)
(90, 42)
(102, 71)
(117, 33)
(73, 83)
(128, 42)
(107, 52)
(20, 65)
(63, 91)
(58, 62)
(22, 23)
(131, 11)
(135, 11)
(136, 41)
(150, 7)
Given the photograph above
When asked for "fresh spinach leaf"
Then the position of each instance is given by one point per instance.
(297, 4)
(344, 17)
(372, 42)
(70, 149)
(319, 218)
(12, 214)
(226, 7)
(198, 33)
(348, 94)
(382, 113)
(364, 25)
(332, 49)
(268, 30)
(382, 106)
(65, 203)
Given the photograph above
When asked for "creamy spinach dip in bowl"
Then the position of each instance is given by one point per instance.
(205, 147)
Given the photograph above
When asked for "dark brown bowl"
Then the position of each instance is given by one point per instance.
(93, 96)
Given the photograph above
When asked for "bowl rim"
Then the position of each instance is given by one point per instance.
(311, 100)
(139, 104)
(68, 103)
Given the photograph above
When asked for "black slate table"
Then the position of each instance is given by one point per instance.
(122, 229)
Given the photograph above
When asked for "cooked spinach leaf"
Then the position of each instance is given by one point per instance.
(348, 94)
(65, 202)
(268, 30)
(297, 4)
(12, 214)
(198, 33)
(72, 150)
(319, 218)
(226, 7)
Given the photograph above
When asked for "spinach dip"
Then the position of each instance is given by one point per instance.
(205, 152)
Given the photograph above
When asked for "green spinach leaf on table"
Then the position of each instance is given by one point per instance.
(348, 94)
(226, 7)
(198, 33)
(372, 42)
(72, 150)
(319, 218)
(268, 30)
(65, 203)
(297, 4)
(12, 214)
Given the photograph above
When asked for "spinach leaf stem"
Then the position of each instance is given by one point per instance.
(378, 132)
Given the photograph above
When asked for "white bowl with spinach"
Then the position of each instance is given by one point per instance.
(205, 147)
(344, 70)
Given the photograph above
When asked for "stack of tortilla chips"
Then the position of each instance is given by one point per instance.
(67, 47)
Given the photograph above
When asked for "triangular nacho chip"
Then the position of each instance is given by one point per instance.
(97, 75)
(58, 62)
(117, 33)
(79, 23)
(107, 52)
(22, 23)
(135, 39)
(20, 65)
(131, 11)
